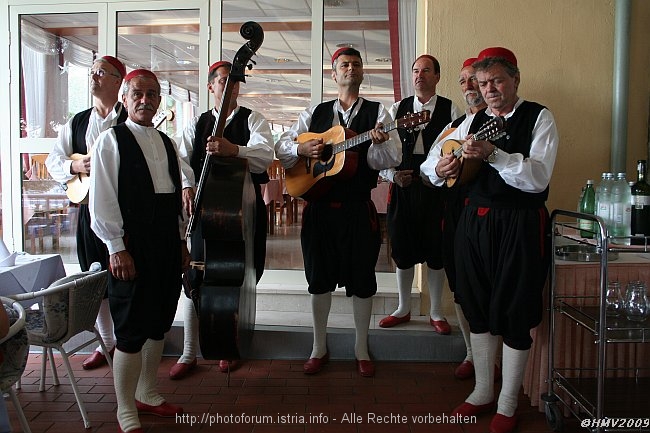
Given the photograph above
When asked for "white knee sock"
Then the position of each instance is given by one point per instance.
(104, 325)
(362, 309)
(320, 311)
(512, 368)
(404, 284)
(190, 331)
(146, 390)
(126, 370)
(484, 349)
(436, 280)
(464, 328)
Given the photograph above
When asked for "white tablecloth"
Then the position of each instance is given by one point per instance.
(31, 273)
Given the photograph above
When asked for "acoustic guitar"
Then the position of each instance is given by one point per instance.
(77, 188)
(491, 130)
(310, 178)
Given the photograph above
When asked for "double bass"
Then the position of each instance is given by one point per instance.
(224, 206)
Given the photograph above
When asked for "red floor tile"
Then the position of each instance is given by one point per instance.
(268, 396)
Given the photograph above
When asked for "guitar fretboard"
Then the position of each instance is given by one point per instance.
(358, 139)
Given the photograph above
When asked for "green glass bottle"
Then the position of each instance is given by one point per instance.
(588, 206)
(641, 204)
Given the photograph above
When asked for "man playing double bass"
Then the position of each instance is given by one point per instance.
(247, 135)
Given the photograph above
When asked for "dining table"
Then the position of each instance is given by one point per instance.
(30, 273)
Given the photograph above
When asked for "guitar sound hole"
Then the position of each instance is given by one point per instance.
(327, 153)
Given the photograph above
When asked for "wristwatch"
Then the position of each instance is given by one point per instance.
(491, 158)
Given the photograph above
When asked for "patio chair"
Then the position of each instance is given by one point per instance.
(15, 348)
(69, 307)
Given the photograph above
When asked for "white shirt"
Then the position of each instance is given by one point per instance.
(107, 220)
(58, 161)
(258, 151)
(418, 107)
(384, 155)
(531, 174)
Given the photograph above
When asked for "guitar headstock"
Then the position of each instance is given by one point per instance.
(414, 119)
(493, 129)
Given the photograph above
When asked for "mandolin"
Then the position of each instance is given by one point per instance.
(77, 188)
(491, 130)
(310, 178)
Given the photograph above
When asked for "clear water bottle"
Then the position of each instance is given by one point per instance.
(588, 206)
(621, 212)
(604, 199)
(636, 301)
(614, 299)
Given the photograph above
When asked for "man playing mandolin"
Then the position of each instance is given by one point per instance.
(340, 233)
(502, 243)
(414, 208)
(247, 135)
(77, 137)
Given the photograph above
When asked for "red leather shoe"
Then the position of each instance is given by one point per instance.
(225, 365)
(180, 370)
(464, 371)
(136, 430)
(96, 360)
(165, 410)
(468, 409)
(390, 321)
(503, 424)
(314, 365)
(440, 326)
(365, 368)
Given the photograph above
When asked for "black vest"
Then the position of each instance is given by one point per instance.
(80, 125)
(236, 132)
(489, 189)
(458, 121)
(364, 179)
(440, 118)
(136, 190)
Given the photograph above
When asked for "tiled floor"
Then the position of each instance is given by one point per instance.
(273, 391)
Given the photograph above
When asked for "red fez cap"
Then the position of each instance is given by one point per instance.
(350, 51)
(140, 73)
(498, 52)
(468, 62)
(219, 64)
(116, 64)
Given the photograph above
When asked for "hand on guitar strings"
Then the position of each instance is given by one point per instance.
(221, 146)
(448, 166)
(477, 149)
(80, 165)
(311, 148)
(378, 135)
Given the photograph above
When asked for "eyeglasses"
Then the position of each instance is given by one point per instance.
(100, 73)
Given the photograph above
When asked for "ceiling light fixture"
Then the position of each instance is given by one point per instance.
(281, 60)
(333, 3)
(383, 59)
(345, 45)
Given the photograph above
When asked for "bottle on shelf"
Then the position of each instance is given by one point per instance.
(640, 221)
(621, 213)
(588, 206)
(604, 199)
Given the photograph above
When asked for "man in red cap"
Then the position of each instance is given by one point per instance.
(502, 241)
(247, 134)
(340, 233)
(415, 209)
(77, 137)
(135, 202)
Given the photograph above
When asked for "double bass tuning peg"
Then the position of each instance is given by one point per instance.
(250, 65)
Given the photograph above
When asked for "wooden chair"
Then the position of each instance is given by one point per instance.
(38, 167)
(275, 206)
